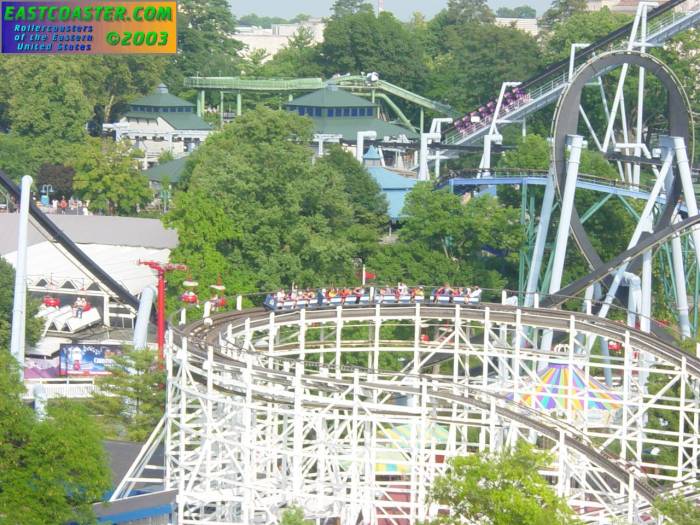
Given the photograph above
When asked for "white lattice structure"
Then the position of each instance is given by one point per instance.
(263, 411)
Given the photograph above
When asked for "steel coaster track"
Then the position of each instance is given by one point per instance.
(651, 241)
(546, 86)
(61, 238)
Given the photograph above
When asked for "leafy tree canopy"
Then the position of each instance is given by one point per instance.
(504, 489)
(42, 478)
(205, 41)
(364, 42)
(131, 401)
(523, 11)
(343, 8)
(560, 10)
(106, 174)
(478, 59)
(278, 218)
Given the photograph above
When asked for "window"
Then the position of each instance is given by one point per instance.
(330, 112)
(302, 110)
(165, 110)
(346, 112)
(354, 112)
(361, 112)
(317, 112)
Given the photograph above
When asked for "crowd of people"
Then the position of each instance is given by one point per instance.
(361, 295)
(512, 99)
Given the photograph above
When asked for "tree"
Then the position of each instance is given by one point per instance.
(364, 42)
(560, 10)
(530, 153)
(107, 176)
(343, 8)
(477, 59)
(205, 42)
(300, 58)
(130, 402)
(294, 516)
(583, 26)
(58, 176)
(504, 489)
(279, 218)
(523, 11)
(462, 11)
(51, 471)
(677, 510)
(442, 240)
(45, 98)
(7, 287)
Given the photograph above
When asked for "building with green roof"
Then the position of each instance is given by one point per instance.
(161, 122)
(340, 113)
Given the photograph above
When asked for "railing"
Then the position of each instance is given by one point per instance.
(57, 388)
(655, 29)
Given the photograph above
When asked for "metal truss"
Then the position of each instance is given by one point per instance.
(265, 411)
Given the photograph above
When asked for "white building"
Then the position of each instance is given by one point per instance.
(277, 37)
(161, 122)
(529, 25)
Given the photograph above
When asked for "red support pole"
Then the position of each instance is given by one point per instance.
(161, 269)
(161, 314)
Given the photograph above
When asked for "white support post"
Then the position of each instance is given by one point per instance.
(19, 307)
(360, 147)
(681, 285)
(562, 239)
(423, 173)
(567, 207)
(540, 241)
(691, 203)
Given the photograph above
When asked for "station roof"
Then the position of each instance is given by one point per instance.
(173, 170)
(394, 186)
(349, 127)
(130, 239)
(176, 120)
(331, 97)
(161, 98)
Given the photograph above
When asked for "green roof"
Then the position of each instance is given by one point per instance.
(173, 170)
(349, 127)
(180, 121)
(161, 98)
(330, 98)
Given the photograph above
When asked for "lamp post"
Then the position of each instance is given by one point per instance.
(161, 269)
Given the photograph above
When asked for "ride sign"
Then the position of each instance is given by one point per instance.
(77, 27)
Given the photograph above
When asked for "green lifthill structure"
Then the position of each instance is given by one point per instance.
(377, 89)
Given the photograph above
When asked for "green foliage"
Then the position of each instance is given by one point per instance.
(502, 490)
(279, 218)
(677, 510)
(343, 8)
(531, 152)
(477, 58)
(58, 176)
(300, 58)
(523, 11)
(130, 402)
(581, 26)
(560, 10)
(205, 42)
(7, 288)
(51, 471)
(442, 240)
(294, 516)
(107, 176)
(365, 42)
(267, 21)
